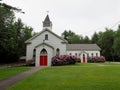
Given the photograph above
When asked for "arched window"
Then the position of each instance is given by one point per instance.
(34, 53)
(43, 52)
(92, 54)
(96, 54)
(75, 54)
(57, 51)
(83, 55)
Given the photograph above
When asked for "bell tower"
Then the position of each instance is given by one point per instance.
(47, 24)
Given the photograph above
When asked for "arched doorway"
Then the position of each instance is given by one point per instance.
(43, 57)
(84, 59)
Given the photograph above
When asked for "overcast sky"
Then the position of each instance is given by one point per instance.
(83, 17)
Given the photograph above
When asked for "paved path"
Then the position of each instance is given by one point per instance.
(4, 84)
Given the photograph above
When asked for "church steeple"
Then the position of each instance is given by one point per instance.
(47, 24)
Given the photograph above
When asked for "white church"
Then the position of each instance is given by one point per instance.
(46, 44)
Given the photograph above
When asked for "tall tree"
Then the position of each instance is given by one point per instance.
(65, 34)
(71, 37)
(7, 44)
(95, 38)
(116, 45)
(74, 39)
(22, 33)
(86, 40)
(106, 43)
(10, 7)
(12, 34)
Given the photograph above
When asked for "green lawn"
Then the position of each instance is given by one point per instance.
(97, 76)
(7, 72)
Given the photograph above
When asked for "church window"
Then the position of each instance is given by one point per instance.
(83, 55)
(92, 54)
(46, 36)
(75, 54)
(96, 54)
(43, 52)
(57, 51)
(34, 53)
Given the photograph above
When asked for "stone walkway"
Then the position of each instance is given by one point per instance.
(4, 84)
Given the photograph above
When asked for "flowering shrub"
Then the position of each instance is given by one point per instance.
(96, 59)
(64, 60)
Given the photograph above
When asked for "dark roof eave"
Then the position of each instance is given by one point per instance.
(27, 42)
(44, 44)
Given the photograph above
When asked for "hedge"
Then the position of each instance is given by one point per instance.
(96, 59)
(64, 60)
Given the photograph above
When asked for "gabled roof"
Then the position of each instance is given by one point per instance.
(29, 40)
(83, 47)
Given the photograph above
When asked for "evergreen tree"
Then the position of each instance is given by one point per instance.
(116, 45)
(12, 34)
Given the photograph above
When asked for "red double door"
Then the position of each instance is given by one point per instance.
(43, 60)
(84, 59)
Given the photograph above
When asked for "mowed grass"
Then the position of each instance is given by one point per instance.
(97, 76)
(7, 72)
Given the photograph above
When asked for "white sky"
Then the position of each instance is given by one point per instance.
(83, 17)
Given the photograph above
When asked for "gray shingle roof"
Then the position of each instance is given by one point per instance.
(47, 19)
(82, 47)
